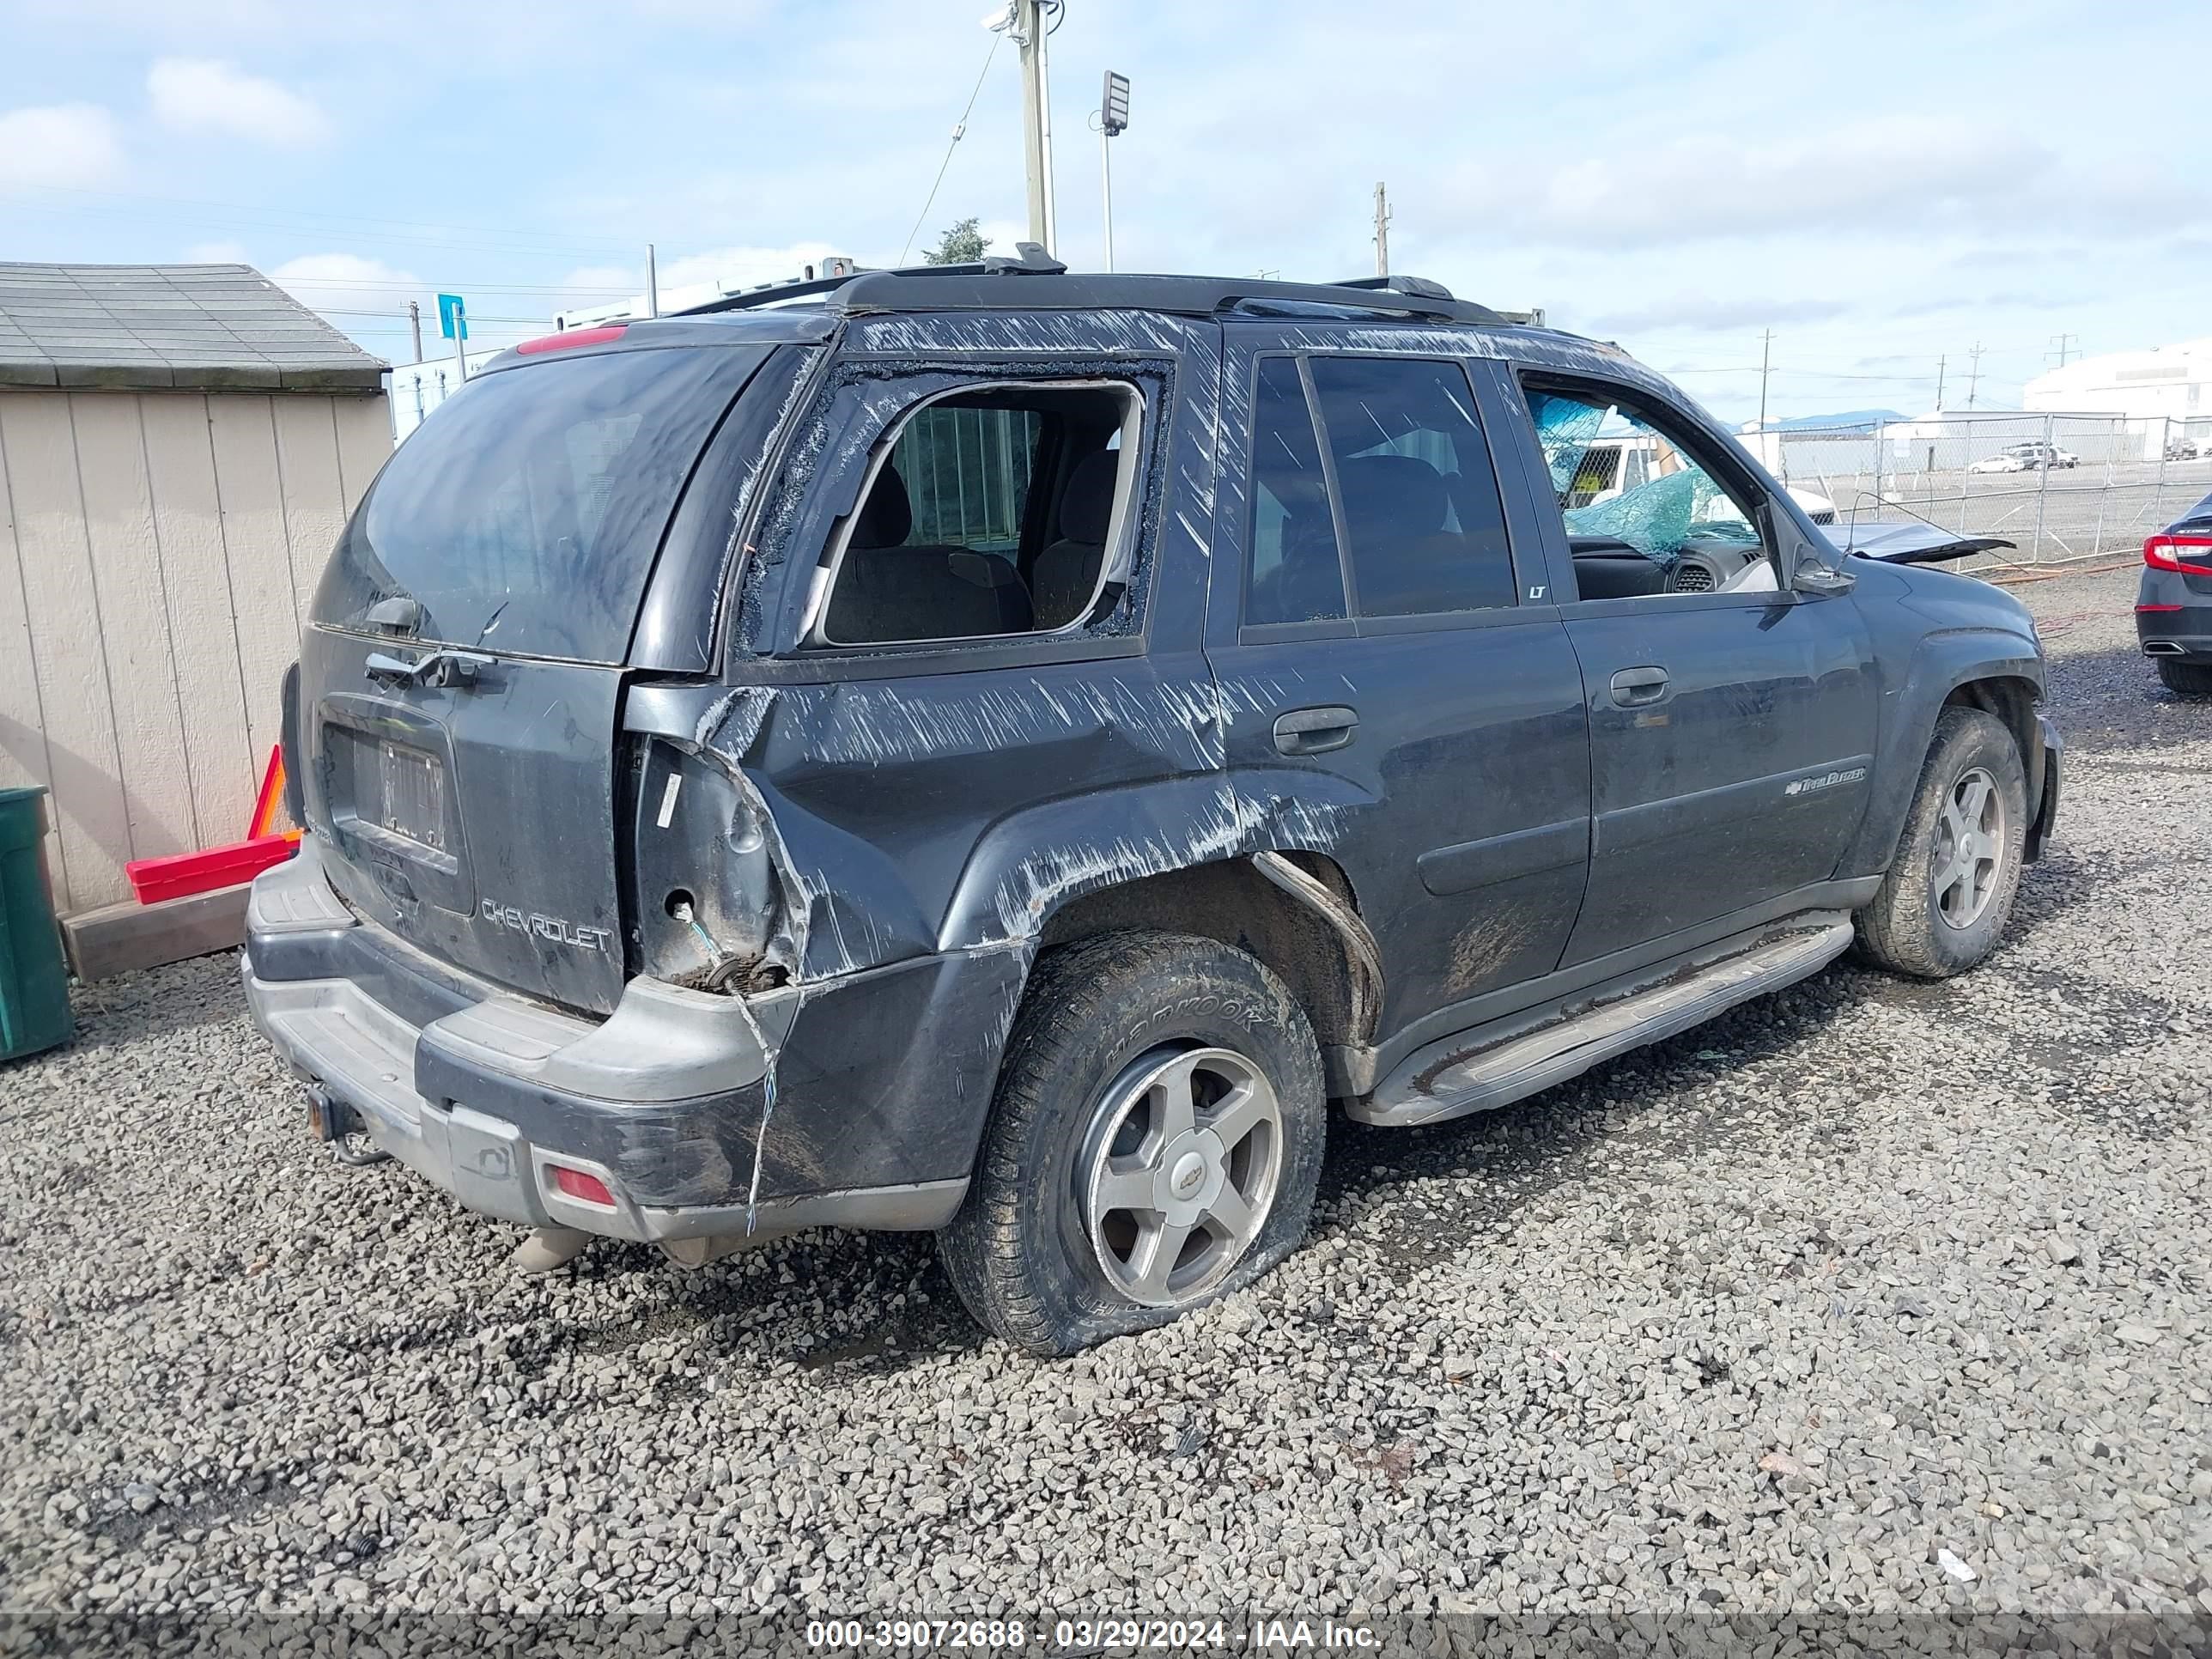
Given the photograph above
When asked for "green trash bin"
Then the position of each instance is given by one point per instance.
(34, 1008)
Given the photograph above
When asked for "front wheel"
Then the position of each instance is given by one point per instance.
(1949, 891)
(1154, 1143)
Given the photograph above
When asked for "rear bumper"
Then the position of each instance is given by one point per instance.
(2173, 615)
(2182, 632)
(667, 1101)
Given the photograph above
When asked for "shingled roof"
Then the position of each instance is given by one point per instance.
(169, 328)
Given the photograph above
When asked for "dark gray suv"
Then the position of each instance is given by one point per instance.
(1000, 752)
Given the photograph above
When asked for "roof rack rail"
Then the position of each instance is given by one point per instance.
(980, 286)
(1421, 286)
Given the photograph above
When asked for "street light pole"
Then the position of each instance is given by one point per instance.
(1113, 120)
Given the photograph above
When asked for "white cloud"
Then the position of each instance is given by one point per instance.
(1883, 174)
(743, 266)
(347, 281)
(64, 147)
(198, 95)
(694, 278)
(1708, 312)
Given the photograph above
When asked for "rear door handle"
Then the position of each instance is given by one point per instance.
(1316, 730)
(1638, 685)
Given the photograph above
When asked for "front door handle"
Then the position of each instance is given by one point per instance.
(1316, 730)
(1632, 686)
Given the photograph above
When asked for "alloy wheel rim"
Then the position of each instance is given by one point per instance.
(1179, 1172)
(1969, 844)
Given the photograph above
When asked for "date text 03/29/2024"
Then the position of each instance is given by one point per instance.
(1089, 1635)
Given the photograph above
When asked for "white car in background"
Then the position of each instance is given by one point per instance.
(2025, 458)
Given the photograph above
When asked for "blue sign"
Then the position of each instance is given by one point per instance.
(453, 319)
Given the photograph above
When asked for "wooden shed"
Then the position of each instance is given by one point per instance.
(180, 448)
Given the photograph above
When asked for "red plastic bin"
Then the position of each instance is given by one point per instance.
(185, 873)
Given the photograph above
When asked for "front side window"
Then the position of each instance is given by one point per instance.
(1642, 514)
(995, 512)
(1424, 522)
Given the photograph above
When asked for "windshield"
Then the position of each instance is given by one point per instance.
(524, 515)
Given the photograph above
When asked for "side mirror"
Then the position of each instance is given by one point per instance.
(1813, 576)
(1804, 559)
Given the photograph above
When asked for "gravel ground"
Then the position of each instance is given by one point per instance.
(1870, 1296)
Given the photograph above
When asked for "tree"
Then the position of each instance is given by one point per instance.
(962, 244)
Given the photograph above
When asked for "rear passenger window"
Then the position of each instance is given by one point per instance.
(1421, 509)
(995, 511)
(1294, 574)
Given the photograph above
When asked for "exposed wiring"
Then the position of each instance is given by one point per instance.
(682, 912)
(959, 131)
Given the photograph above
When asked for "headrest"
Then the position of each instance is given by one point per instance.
(1392, 495)
(886, 519)
(1087, 505)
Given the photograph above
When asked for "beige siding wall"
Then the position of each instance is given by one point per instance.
(158, 552)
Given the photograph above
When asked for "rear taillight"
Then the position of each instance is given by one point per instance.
(2191, 555)
(573, 339)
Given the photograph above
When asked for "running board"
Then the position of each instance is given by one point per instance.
(1449, 1079)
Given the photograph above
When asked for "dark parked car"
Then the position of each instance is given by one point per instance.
(2174, 602)
(1000, 752)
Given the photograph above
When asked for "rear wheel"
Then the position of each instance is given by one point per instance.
(1155, 1142)
(2187, 679)
(1950, 888)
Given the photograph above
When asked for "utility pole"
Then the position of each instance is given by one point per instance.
(415, 322)
(1382, 231)
(2061, 343)
(652, 283)
(1765, 347)
(1028, 26)
(1938, 385)
(1973, 373)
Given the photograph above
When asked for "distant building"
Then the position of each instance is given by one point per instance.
(415, 389)
(675, 298)
(2171, 382)
(180, 445)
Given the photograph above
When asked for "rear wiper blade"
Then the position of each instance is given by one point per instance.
(447, 667)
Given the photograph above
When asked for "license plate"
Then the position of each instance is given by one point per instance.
(414, 796)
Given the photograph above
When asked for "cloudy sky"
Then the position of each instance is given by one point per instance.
(1880, 185)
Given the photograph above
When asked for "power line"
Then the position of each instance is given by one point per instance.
(959, 131)
(388, 285)
(22, 191)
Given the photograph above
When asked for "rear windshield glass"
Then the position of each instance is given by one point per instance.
(523, 516)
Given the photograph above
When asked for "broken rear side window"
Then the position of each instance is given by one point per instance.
(995, 512)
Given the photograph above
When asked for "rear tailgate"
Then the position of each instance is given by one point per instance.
(461, 684)
(474, 821)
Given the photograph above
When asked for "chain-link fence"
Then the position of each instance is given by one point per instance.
(2060, 488)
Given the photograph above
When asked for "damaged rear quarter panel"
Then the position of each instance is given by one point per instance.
(944, 799)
